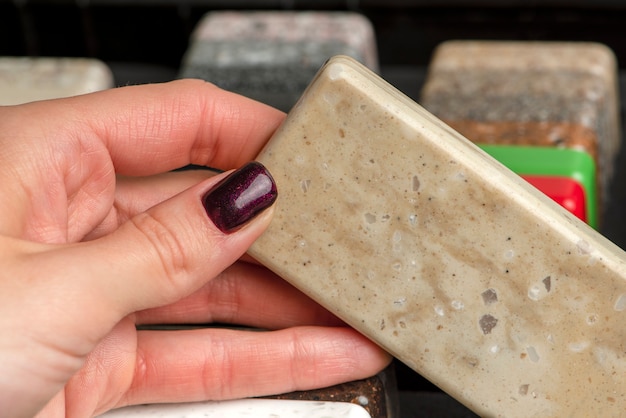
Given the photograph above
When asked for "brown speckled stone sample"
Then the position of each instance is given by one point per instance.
(454, 264)
(25, 79)
(558, 94)
(378, 395)
(272, 55)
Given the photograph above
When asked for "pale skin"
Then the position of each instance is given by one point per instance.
(97, 236)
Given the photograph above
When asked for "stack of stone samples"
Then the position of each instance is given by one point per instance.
(557, 95)
(450, 261)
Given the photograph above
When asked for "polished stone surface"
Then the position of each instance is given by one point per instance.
(456, 266)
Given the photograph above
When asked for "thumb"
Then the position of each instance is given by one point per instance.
(169, 251)
(81, 291)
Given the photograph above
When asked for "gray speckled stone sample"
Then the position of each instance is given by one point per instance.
(25, 79)
(557, 94)
(448, 260)
(272, 56)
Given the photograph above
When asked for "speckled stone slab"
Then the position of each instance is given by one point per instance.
(243, 408)
(560, 94)
(272, 56)
(24, 79)
(451, 262)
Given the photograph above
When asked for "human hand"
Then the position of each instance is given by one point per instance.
(97, 236)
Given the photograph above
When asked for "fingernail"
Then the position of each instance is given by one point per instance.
(240, 197)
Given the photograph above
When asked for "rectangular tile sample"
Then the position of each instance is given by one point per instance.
(437, 252)
(26, 79)
(271, 56)
(243, 408)
(565, 191)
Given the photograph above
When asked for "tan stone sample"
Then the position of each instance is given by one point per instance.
(556, 94)
(448, 260)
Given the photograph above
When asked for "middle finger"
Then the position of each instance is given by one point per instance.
(244, 294)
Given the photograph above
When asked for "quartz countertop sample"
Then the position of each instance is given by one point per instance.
(434, 250)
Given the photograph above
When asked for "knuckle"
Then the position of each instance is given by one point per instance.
(219, 372)
(305, 355)
(166, 245)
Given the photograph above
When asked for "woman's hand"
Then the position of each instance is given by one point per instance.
(97, 236)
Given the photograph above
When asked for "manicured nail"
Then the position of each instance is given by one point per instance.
(240, 197)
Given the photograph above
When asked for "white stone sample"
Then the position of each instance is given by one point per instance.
(437, 252)
(257, 408)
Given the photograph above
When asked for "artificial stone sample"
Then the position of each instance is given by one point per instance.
(378, 394)
(271, 56)
(25, 79)
(243, 408)
(448, 260)
(555, 94)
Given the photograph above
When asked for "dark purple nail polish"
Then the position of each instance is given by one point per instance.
(240, 197)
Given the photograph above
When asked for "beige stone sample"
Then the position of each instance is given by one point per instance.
(441, 255)
(26, 79)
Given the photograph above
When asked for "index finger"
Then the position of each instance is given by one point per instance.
(149, 129)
